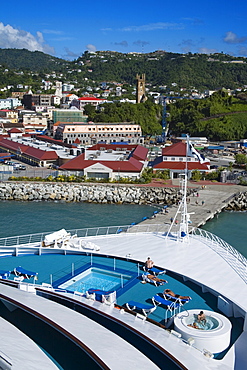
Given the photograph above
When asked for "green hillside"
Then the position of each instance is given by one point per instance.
(36, 61)
(220, 117)
(170, 71)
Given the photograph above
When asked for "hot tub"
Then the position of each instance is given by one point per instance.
(213, 335)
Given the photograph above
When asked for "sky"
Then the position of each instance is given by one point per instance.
(66, 29)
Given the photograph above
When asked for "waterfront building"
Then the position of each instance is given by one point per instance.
(110, 162)
(29, 153)
(91, 133)
(175, 159)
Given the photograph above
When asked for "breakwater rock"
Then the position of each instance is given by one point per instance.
(96, 193)
(238, 202)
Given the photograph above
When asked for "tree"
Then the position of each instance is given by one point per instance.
(240, 159)
(196, 175)
(230, 166)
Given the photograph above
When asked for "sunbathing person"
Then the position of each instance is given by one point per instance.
(155, 278)
(172, 294)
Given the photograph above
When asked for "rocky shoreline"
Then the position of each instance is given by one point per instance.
(238, 202)
(103, 193)
(94, 193)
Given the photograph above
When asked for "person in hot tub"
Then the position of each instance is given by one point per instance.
(201, 317)
(194, 325)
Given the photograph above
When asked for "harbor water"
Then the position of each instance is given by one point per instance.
(20, 218)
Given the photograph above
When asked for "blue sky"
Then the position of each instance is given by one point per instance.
(66, 29)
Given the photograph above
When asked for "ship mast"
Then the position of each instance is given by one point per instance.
(183, 231)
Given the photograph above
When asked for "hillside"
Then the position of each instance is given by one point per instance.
(219, 117)
(167, 71)
(36, 61)
(198, 71)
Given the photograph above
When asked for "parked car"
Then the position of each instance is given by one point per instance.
(10, 163)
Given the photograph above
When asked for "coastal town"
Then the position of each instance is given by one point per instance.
(123, 186)
(38, 137)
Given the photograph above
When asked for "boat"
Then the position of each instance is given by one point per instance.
(130, 324)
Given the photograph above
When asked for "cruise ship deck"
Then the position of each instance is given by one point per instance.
(213, 266)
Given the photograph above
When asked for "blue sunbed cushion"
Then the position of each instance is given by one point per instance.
(139, 305)
(164, 301)
(100, 292)
(3, 272)
(157, 271)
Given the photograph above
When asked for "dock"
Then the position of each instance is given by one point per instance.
(206, 202)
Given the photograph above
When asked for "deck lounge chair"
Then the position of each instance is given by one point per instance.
(145, 277)
(145, 308)
(154, 270)
(102, 295)
(19, 271)
(170, 306)
(157, 299)
(4, 274)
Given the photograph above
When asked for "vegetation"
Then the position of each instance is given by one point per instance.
(219, 117)
(240, 159)
(147, 176)
(23, 59)
(167, 71)
(148, 115)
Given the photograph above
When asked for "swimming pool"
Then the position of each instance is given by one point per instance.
(96, 278)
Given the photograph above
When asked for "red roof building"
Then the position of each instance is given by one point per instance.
(28, 153)
(174, 159)
(109, 169)
(81, 102)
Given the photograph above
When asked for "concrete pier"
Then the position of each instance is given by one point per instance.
(211, 200)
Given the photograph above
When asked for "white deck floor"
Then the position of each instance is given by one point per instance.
(110, 348)
(21, 350)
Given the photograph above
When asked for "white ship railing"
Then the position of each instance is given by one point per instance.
(234, 258)
(31, 239)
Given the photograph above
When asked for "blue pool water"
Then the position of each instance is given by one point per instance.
(96, 278)
(210, 324)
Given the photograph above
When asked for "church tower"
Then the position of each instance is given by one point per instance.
(58, 91)
(140, 88)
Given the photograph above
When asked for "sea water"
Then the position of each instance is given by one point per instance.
(231, 227)
(20, 218)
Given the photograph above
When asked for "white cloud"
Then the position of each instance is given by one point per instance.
(141, 43)
(91, 47)
(11, 37)
(153, 27)
(232, 38)
(70, 53)
(122, 43)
